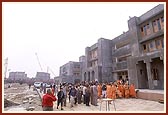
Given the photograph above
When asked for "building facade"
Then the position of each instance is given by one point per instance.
(42, 77)
(98, 65)
(146, 65)
(17, 76)
(121, 50)
(136, 55)
(70, 73)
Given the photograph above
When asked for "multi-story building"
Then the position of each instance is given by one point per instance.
(146, 65)
(70, 72)
(121, 50)
(17, 76)
(42, 77)
(98, 65)
(137, 54)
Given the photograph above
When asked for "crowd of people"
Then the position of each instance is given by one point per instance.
(86, 93)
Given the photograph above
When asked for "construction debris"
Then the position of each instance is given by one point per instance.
(8, 103)
(161, 101)
(30, 108)
(20, 97)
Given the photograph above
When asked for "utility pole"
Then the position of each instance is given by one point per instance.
(6, 67)
(47, 69)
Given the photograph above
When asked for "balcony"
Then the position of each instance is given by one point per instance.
(93, 59)
(121, 65)
(122, 51)
(151, 36)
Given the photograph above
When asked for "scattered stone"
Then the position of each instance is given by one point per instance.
(8, 103)
(25, 101)
(30, 101)
(9, 86)
(16, 108)
(161, 101)
(30, 108)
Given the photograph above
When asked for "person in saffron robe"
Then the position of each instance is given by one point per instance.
(118, 90)
(132, 91)
(122, 90)
(119, 93)
(99, 88)
(126, 87)
(108, 90)
(113, 91)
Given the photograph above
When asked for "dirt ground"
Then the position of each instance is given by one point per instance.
(21, 98)
(26, 98)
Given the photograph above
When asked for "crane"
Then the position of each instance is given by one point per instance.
(47, 66)
(38, 61)
(51, 71)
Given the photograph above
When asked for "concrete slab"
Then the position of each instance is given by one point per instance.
(153, 95)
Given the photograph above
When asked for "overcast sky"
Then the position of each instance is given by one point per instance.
(60, 32)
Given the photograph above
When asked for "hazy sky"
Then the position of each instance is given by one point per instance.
(60, 32)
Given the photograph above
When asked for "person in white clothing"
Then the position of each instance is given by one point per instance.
(84, 96)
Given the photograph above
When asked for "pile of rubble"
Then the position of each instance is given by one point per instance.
(20, 96)
(8, 103)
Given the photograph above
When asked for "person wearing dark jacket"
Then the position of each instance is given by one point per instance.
(47, 101)
(60, 96)
(87, 95)
(104, 90)
(72, 94)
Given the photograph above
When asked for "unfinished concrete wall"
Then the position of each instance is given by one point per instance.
(142, 75)
(105, 59)
(114, 75)
(121, 50)
(71, 72)
(132, 71)
(138, 39)
(158, 73)
(134, 35)
(151, 13)
(150, 96)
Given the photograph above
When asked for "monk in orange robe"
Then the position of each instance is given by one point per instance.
(132, 90)
(113, 90)
(119, 94)
(121, 89)
(99, 89)
(108, 91)
(126, 87)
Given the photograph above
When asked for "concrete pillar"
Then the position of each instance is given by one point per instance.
(114, 76)
(132, 71)
(88, 77)
(151, 27)
(150, 81)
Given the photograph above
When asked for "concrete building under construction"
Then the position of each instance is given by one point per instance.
(98, 64)
(17, 76)
(69, 73)
(136, 55)
(146, 65)
(42, 77)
